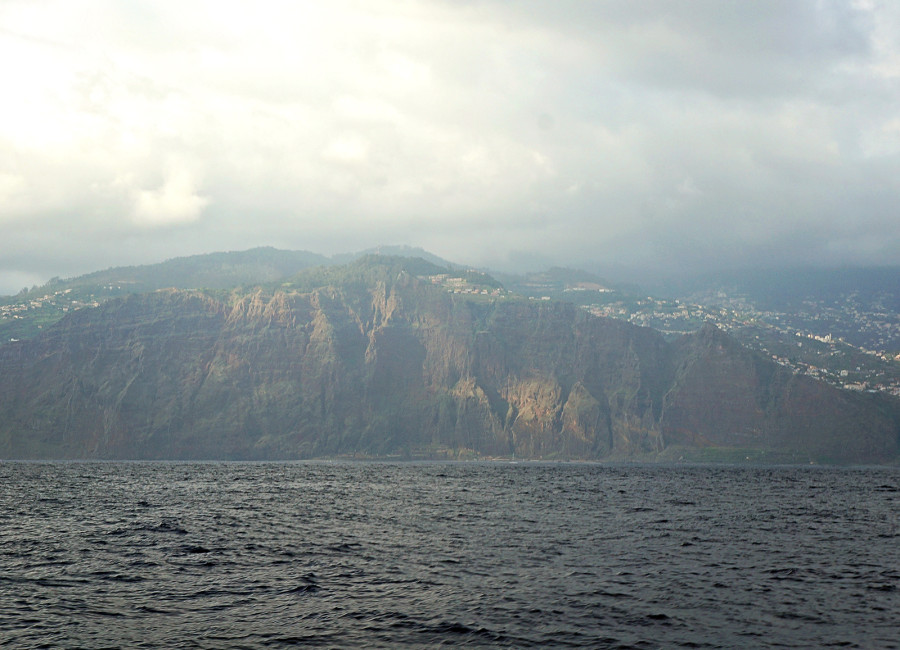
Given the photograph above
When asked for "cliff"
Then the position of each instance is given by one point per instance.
(371, 359)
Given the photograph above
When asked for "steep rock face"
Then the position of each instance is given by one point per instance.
(726, 396)
(532, 357)
(388, 364)
(81, 389)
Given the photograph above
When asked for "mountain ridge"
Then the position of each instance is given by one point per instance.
(374, 359)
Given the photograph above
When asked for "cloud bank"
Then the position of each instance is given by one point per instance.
(659, 135)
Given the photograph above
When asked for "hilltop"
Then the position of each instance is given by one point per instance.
(388, 357)
(841, 326)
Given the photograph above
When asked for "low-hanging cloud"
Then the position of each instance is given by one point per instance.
(656, 135)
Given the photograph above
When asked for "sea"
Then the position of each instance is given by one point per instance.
(474, 554)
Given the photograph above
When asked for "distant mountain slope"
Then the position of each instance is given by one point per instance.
(789, 289)
(859, 305)
(23, 316)
(214, 270)
(375, 358)
(395, 251)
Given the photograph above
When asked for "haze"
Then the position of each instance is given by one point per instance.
(661, 136)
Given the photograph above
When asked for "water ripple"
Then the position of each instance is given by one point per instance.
(272, 555)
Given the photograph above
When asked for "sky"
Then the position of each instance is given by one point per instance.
(655, 136)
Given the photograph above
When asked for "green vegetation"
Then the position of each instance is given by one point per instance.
(400, 357)
(26, 314)
(855, 310)
(360, 274)
(736, 456)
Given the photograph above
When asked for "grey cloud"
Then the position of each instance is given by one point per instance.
(660, 135)
(727, 48)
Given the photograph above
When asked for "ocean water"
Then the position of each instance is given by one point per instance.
(345, 555)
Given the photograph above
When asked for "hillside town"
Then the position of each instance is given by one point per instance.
(785, 337)
(23, 316)
(842, 343)
(473, 283)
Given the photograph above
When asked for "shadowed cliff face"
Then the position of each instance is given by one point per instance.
(393, 365)
(726, 396)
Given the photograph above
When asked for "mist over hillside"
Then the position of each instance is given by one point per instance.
(841, 325)
(393, 356)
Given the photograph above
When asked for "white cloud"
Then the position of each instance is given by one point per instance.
(577, 131)
(348, 148)
(11, 186)
(174, 202)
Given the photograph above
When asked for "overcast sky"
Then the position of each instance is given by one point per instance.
(669, 135)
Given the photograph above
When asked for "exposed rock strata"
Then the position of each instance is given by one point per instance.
(393, 365)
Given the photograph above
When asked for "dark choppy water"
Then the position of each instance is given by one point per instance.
(352, 555)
